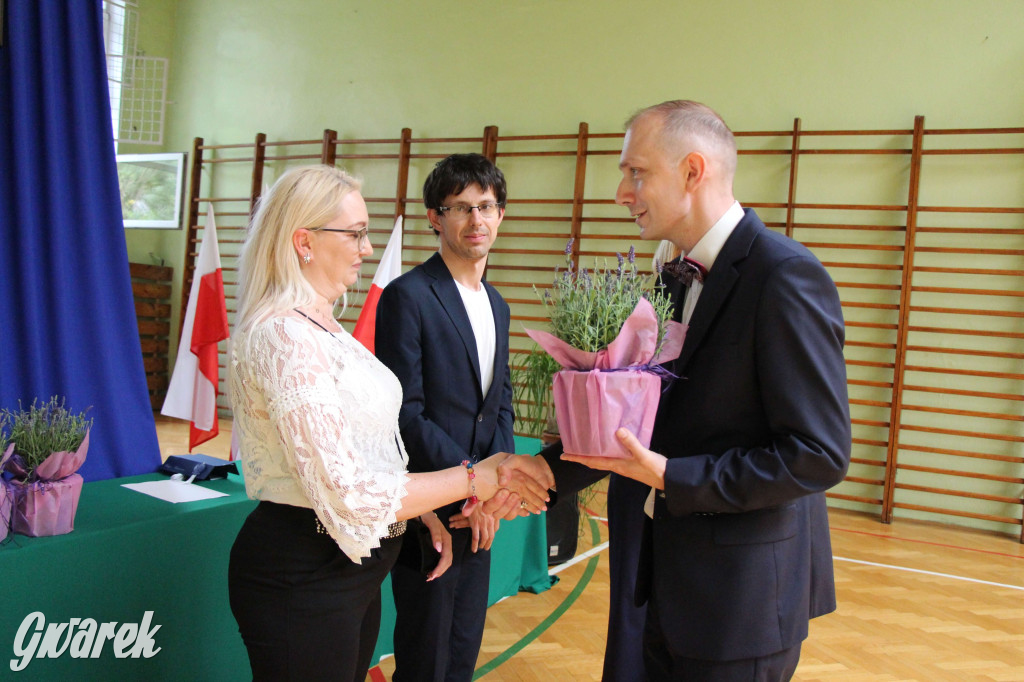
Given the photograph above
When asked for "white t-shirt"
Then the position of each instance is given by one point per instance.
(478, 307)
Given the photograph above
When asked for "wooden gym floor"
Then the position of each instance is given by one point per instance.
(918, 602)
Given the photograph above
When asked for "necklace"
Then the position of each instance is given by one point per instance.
(314, 321)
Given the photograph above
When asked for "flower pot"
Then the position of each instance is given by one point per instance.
(599, 392)
(6, 500)
(6, 496)
(43, 508)
(592, 405)
(45, 500)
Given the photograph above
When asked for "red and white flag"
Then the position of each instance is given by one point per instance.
(192, 394)
(389, 268)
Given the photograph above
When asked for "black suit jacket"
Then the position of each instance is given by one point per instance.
(424, 336)
(756, 428)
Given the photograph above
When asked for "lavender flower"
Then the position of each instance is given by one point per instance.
(587, 307)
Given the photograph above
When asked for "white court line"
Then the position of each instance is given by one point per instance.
(578, 558)
(603, 546)
(940, 575)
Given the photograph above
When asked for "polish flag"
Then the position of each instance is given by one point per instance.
(192, 394)
(389, 268)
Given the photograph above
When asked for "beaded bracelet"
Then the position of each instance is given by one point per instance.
(473, 499)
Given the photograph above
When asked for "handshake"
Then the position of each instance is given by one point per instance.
(517, 485)
(512, 485)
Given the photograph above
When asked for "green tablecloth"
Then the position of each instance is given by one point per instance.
(131, 553)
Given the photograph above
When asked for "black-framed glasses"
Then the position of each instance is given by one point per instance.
(361, 234)
(462, 211)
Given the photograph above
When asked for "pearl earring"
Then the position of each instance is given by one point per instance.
(307, 258)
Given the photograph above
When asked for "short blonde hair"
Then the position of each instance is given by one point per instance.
(689, 126)
(269, 275)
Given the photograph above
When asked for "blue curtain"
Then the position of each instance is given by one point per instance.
(67, 317)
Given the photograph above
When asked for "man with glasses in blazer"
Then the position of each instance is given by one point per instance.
(443, 330)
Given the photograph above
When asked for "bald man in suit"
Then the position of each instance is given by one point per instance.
(736, 556)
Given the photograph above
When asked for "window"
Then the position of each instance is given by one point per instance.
(137, 83)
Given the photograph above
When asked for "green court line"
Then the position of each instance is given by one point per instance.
(588, 573)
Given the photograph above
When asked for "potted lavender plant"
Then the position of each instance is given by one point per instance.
(610, 331)
(6, 498)
(49, 445)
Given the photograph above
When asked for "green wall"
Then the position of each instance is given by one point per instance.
(540, 66)
(451, 67)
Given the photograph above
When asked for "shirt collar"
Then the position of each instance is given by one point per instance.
(710, 245)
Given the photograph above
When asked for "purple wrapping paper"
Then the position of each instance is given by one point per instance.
(45, 502)
(6, 498)
(43, 508)
(591, 406)
(597, 393)
(5, 509)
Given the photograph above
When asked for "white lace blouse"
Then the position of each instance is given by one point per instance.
(317, 419)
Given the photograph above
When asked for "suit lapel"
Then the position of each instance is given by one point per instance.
(720, 281)
(448, 296)
(674, 291)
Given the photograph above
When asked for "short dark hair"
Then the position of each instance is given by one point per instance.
(457, 172)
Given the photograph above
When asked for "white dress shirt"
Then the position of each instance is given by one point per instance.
(706, 251)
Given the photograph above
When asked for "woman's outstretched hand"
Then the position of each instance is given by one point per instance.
(526, 479)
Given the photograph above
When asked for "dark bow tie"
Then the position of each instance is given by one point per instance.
(686, 270)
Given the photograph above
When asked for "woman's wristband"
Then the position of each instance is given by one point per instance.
(473, 499)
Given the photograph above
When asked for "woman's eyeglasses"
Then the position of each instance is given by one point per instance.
(362, 235)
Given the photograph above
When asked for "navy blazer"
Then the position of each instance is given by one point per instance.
(738, 558)
(424, 336)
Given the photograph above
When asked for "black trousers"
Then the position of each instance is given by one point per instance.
(439, 625)
(661, 665)
(623, 654)
(304, 609)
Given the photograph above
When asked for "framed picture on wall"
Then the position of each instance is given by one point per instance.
(152, 189)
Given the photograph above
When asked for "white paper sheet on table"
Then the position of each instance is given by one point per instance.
(174, 491)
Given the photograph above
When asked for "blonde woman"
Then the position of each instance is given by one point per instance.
(317, 418)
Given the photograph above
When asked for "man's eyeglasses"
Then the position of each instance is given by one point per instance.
(461, 211)
(362, 236)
